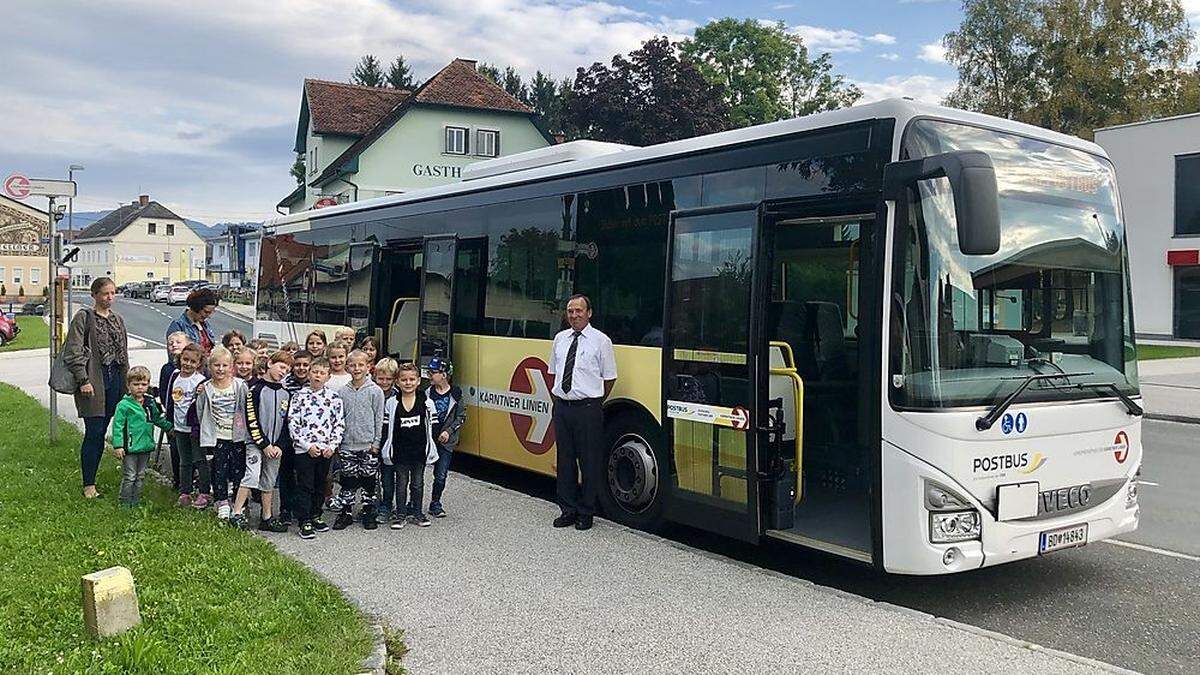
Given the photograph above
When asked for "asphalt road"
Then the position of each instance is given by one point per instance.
(148, 321)
(1138, 608)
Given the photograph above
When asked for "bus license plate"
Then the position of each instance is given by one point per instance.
(1067, 537)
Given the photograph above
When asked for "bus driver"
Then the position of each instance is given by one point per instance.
(585, 369)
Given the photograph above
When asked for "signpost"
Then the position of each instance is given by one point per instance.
(20, 187)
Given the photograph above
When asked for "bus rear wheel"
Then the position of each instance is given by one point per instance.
(634, 473)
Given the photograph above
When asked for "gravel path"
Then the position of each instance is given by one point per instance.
(493, 588)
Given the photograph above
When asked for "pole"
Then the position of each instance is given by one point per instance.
(53, 309)
(70, 236)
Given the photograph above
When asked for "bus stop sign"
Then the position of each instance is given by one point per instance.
(20, 187)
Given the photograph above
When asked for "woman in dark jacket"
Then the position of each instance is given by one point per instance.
(97, 352)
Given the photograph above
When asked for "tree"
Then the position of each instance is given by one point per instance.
(766, 71)
(298, 169)
(512, 83)
(650, 97)
(368, 72)
(490, 71)
(547, 98)
(400, 76)
(1073, 65)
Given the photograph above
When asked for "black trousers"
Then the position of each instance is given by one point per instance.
(310, 484)
(579, 434)
(287, 482)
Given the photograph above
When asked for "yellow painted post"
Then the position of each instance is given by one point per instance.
(110, 604)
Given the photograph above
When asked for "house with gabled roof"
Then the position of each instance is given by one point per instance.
(363, 142)
(139, 241)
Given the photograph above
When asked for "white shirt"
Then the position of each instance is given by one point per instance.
(595, 362)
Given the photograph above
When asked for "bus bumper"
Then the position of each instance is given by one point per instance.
(907, 548)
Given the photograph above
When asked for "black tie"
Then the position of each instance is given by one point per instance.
(569, 369)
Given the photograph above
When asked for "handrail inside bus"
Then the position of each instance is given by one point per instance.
(789, 371)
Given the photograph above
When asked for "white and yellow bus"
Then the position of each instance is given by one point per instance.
(897, 333)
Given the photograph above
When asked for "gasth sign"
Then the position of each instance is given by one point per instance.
(437, 171)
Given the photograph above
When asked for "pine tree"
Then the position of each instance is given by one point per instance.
(368, 73)
(400, 75)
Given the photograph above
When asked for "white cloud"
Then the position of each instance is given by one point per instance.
(926, 88)
(890, 56)
(820, 39)
(196, 103)
(933, 52)
(783, 5)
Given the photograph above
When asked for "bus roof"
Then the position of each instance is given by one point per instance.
(900, 109)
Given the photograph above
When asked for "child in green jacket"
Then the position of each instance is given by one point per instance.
(133, 433)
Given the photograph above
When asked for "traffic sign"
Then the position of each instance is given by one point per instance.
(20, 187)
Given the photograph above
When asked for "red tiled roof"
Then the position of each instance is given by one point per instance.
(348, 109)
(459, 84)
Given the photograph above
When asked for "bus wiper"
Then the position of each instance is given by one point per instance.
(1131, 406)
(985, 422)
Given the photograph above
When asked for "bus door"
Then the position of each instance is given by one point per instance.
(714, 382)
(436, 331)
(398, 297)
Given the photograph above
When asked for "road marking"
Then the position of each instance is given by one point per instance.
(1146, 482)
(1151, 549)
(143, 339)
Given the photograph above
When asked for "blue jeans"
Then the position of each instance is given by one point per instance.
(440, 469)
(387, 505)
(94, 428)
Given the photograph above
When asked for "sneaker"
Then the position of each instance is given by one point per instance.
(369, 521)
(223, 510)
(329, 505)
(565, 520)
(422, 521)
(201, 501)
(343, 521)
(185, 500)
(307, 531)
(285, 518)
(398, 523)
(238, 521)
(272, 525)
(320, 525)
(437, 511)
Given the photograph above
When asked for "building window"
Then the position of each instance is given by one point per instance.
(170, 229)
(1187, 194)
(166, 256)
(2, 277)
(1187, 302)
(487, 143)
(312, 161)
(18, 275)
(35, 276)
(456, 141)
(151, 227)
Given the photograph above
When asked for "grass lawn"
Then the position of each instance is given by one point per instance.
(1148, 352)
(34, 334)
(212, 598)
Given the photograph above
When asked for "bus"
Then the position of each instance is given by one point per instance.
(897, 333)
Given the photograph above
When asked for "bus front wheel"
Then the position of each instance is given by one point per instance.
(635, 473)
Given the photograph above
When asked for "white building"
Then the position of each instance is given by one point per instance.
(232, 255)
(140, 241)
(1158, 174)
(363, 142)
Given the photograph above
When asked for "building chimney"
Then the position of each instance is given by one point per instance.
(143, 200)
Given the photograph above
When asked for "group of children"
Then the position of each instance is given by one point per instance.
(243, 421)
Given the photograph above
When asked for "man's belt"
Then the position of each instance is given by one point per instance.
(578, 401)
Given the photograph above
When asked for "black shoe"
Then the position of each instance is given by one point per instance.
(437, 511)
(319, 525)
(272, 525)
(565, 520)
(583, 523)
(421, 520)
(370, 522)
(343, 521)
(238, 521)
(307, 531)
(285, 518)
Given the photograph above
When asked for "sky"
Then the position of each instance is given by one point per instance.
(196, 103)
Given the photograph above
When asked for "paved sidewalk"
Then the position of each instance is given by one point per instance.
(1171, 388)
(493, 588)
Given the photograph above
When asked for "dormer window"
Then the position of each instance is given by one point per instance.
(456, 140)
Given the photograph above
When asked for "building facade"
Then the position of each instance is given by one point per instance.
(232, 256)
(140, 241)
(1158, 174)
(24, 255)
(363, 142)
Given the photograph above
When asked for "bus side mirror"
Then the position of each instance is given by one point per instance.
(973, 183)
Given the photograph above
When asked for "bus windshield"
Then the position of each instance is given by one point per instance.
(967, 330)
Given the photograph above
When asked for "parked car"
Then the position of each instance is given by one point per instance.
(140, 289)
(35, 307)
(8, 329)
(160, 293)
(178, 294)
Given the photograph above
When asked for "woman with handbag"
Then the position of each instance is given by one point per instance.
(97, 353)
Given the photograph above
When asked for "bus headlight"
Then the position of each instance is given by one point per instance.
(1131, 490)
(951, 526)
